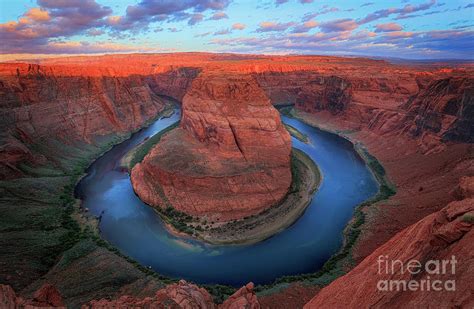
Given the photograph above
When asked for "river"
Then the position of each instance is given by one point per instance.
(137, 231)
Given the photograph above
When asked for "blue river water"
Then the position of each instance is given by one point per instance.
(137, 231)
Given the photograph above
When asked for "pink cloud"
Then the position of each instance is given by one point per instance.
(238, 26)
(219, 15)
(388, 27)
(305, 27)
(338, 25)
(400, 34)
(267, 26)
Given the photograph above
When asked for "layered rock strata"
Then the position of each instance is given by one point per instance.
(444, 238)
(229, 159)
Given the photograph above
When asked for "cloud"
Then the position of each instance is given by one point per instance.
(267, 26)
(399, 34)
(338, 25)
(52, 19)
(94, 32)
(305, 27)
(278, 2)
(138, 16)
(195, 18)
(407, 9)
(367, 4)
(306, 1)
(238, 26)
(222, 32)
(173, 29)
(75, 47)
(388, 27)
(201, 35)
(219, 15)
(325, 10)
(429, 44)
(37, 14)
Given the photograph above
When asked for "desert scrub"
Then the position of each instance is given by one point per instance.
(219, 292)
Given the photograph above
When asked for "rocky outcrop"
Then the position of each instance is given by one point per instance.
(181, 295)
(8, 298)
(229, 159)
(445, 108)
(44, 112)
(244, 298)
(428, 109)
(46, 297)
(442, 238)
(330, 93)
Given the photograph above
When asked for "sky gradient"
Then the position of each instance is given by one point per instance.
(426, 29)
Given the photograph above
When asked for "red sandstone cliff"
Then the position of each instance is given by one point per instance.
(416, 120)
(45, 297)
(229, 159)
(181, 295)
(439, 237)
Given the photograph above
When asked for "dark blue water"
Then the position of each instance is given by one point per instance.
(137, 231)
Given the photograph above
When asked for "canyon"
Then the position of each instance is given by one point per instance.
(59, 114)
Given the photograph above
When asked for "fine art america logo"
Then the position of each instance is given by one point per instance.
(435, 280)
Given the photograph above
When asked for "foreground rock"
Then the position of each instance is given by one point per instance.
(244, 298)
(180, 295)
(440, 237)
(229, 159)
(46, 297)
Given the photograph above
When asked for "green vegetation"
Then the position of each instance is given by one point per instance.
(179, 220)
(297, 134)
(468, 218)
(144, 148)
(287, 111)
(219, 292)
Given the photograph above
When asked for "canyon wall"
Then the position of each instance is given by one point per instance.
(229, 159)
(417, 120)
(176, 295)
(441, 236)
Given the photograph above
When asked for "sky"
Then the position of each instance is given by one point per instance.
(425, 29)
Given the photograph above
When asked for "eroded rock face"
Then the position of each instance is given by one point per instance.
(440, 236)
(45, 297)
(8, 299)
(182, 295)
(244, 298)
(330, 93)
(445, 108)
(229, 159)
(46, 109)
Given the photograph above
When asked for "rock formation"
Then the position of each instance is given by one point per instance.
(438, 237)
(416, 119)
(229, 159)
(181, 295)
(45, 297)
(244, 298)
